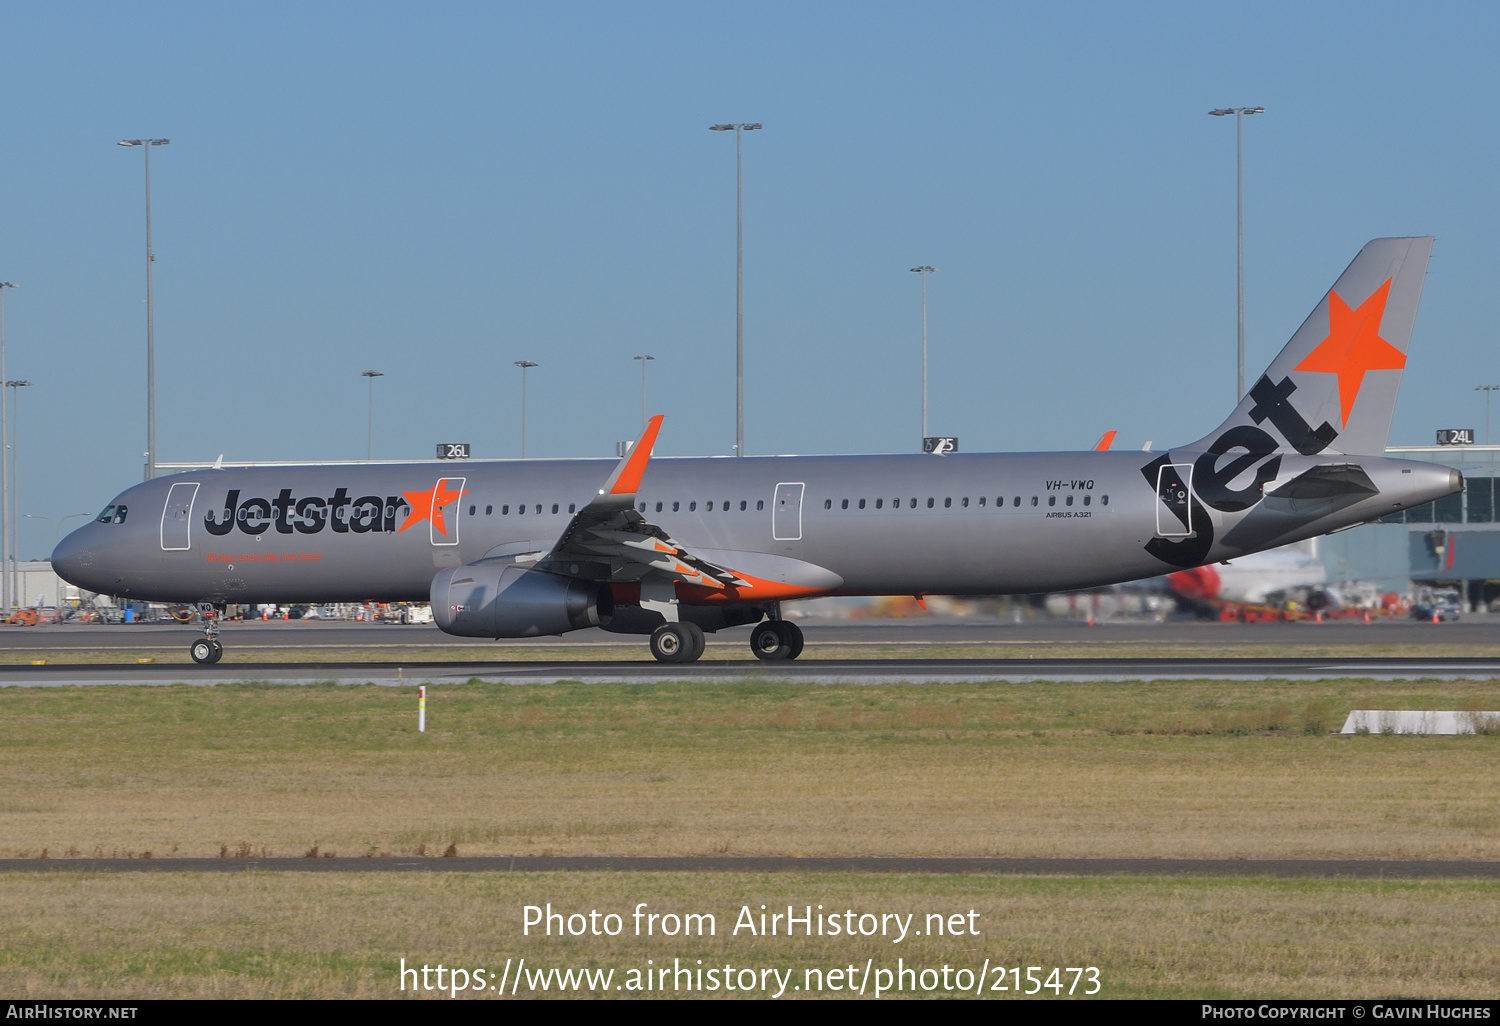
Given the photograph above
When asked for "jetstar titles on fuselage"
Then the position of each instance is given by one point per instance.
(308, 515)
(311, 514)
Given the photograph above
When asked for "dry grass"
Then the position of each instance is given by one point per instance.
(1166, 769)
(80, 935)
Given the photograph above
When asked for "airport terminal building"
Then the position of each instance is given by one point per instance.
(1454, 541)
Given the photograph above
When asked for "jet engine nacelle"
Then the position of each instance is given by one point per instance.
(479, 601)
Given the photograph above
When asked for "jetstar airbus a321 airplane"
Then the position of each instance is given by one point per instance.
(671, 548)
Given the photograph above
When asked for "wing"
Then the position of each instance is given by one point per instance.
(611, 538)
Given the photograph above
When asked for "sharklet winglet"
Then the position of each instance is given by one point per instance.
(628, 473)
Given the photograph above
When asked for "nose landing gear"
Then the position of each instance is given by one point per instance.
(207, 648)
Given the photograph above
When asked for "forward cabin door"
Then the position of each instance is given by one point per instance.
(177, 517)
(446, 511)
(786, 513)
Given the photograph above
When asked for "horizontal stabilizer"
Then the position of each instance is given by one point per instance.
(1326, 482)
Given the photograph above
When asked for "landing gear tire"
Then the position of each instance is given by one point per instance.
(677, 643)
(793, 636)
(207, 649)
(775, 640)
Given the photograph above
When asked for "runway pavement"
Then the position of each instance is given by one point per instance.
(861, 650)
(1350, 868)
(1481, 629)
(805, 671)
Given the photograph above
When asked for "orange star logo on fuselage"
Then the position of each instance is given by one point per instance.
(1354, 346)
(429, 505)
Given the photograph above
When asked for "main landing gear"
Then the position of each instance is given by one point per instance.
(683, 642)
(207, 648)
(772, 640)
(679, 642)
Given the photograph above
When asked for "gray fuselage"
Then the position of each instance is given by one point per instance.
(905, 524)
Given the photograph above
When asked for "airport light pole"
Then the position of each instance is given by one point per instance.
(739, 281)
(56, 524)
(370, 433)
(643, 358)
(526, 365)
(1239, 232)
(924, 271)
(1486, 389)
(4, 465)
(15, 461)
(146, 144)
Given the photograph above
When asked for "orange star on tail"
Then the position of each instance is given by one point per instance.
(1354, 346)
(429, 505)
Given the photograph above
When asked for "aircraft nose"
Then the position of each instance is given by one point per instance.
(73, 559)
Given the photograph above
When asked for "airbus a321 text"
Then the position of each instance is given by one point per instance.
(672, 548)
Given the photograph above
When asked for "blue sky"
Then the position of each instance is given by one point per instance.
(436, 191)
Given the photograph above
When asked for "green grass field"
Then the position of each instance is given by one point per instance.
(1172, 769)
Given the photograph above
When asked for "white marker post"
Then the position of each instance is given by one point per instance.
(422, 709)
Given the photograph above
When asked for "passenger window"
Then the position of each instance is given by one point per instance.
(742, 505)
(725, 505)
(643, 508)
(879, 503)
(505, 510)
(913, 502)
(1033, 500)
(1017, 501)
(966, 502)
(929, 502)
(845, 505)
(948, 503)
(1052, 500)
(861, 503)
(1070, 500)
(539, 507)
(828, 504)
(693, 507)
(471, 511)
(658, 507)
(520, 509)
(676, 505)
(571, 506)
(760, 504)
(1104, 500)
(1086, 499)
(981, 500)
(554, 509)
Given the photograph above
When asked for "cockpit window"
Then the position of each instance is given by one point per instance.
(113, 514)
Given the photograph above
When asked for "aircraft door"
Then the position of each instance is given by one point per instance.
(446, 511)
(786, 514)
(177, 517)
(1174, 511)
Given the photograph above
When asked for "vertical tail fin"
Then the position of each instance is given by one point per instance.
(1334, 385)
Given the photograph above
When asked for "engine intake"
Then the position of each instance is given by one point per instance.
(478, 601)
